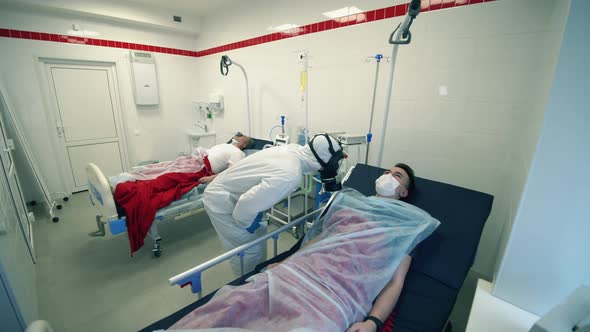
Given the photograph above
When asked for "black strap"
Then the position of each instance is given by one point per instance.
(375, 320)
(315, 154)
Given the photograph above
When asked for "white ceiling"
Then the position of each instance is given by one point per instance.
(197, 8)
(147, 13)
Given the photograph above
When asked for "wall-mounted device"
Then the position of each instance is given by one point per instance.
(145, 80)
(216, 102)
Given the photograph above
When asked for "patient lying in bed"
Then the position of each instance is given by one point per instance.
(220, 157)
(143, 191)
(331, 283)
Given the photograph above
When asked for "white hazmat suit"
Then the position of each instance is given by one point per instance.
(253, 185)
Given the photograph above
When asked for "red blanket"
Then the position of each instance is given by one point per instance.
(141, 200)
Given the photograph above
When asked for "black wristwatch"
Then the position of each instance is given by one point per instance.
(375, 320)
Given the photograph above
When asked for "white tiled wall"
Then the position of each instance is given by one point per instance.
(547, 253)
(153, 133)
(496, 60)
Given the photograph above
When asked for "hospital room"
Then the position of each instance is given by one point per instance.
(227, 165)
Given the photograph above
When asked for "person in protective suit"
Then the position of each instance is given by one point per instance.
(236, 199)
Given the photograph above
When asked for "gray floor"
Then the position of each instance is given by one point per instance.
(462, 307)
(92, 284)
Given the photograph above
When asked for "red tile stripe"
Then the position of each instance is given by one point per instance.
(361, 18)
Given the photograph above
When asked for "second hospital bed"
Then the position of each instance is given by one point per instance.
(440, 264)
(109, 222)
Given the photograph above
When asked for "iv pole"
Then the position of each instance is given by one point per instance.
(378, 58)
(400, 36)
(303, 56)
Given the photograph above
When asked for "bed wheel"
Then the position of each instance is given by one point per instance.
(55, 219)
(58, 206)
(66, 199)
(157, 248)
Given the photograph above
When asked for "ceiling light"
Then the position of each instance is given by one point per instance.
(284, 27)
(341, 12)
(290, 29)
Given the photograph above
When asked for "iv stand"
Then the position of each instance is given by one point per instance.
(378, 58)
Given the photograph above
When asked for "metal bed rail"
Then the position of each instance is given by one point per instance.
(193, 276)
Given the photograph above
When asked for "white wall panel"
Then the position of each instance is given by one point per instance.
(496, 60)
(153, 133)
(547, 254)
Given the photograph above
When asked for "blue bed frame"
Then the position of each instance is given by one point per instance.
(440, 264)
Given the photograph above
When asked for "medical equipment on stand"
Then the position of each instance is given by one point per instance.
(351, 139)
(224, 68)
(400, 36)
(353, 146)
(301, 136)
(282, 138)
(378, 58)
(328, 180)
(279, 215)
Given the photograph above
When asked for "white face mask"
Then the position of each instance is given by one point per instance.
(234, 141)
(386, 185)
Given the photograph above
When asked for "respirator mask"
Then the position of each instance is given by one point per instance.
(329, 170)
(386, 185)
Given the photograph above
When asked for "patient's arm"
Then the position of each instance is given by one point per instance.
(207, 179)
(387, 298)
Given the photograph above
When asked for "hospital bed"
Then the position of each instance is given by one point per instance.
(440, 263)
(109, 222)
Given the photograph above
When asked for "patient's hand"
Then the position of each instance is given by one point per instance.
(366, 326)
(206, 179)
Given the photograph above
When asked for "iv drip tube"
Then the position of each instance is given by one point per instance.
(303, 81)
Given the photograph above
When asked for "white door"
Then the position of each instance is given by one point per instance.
(87, 120)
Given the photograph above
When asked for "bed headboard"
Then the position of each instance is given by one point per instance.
(257, 144)
(450, 251)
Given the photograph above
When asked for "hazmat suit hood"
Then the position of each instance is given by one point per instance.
(309, 163)
(329, 154)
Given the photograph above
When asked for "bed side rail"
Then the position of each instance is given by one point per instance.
(193, 276)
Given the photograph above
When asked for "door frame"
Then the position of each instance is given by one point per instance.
(52, 112)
